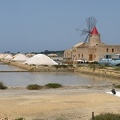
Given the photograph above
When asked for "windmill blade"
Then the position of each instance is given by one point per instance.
(85, 31)
(91, 22)
(78, 29)
(86, 39)
(88, 23)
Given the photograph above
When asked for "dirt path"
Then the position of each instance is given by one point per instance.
(57, 104)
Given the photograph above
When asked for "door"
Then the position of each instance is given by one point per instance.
(90, 57)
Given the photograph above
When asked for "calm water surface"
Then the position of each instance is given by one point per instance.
(42, 78)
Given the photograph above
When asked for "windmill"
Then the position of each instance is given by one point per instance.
(91, 23)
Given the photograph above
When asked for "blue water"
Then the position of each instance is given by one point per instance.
(42, 78)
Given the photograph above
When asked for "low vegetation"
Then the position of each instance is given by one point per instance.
(107, 116)
(117, 68)
(61, 66)
(53, 85)
(2, 86)
(38, 87)
(34, 87)
(117, 86)
(19, 119)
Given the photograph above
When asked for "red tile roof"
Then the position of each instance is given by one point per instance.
(94, 31)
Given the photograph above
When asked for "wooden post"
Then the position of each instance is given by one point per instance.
(93, 116)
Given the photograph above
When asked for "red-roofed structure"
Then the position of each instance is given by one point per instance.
(92, 49)
(94, 31)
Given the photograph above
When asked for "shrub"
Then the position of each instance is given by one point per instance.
(19, 119)
(60, 66)
(45, 65)
(53, 85)
(117, 86)
(70, 66)
(34, 87)
(117, 68)
(107, 116)
(101, 66)
(64, 66)
(2, 86)
(60, 119)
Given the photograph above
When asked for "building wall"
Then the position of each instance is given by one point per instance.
(94, 40)
(93, 53)
(93, 50)
(108, 49)
(80, 53)
(68, 54)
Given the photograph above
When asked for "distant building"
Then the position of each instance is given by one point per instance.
(92, 50)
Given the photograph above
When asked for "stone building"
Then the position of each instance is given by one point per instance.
(92, 50)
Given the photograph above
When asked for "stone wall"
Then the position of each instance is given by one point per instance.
(98, 71)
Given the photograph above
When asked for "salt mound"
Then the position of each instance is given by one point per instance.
(40, 59)
(8, 57)
(20, 58)
(2, 56)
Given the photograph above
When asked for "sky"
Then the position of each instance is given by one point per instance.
(38, 25)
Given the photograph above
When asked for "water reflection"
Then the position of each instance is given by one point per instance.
(42, 78)
(5, 67)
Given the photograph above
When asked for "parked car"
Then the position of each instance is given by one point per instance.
(113, 61)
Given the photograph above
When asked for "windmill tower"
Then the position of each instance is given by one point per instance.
(91, 32)
(94, 38)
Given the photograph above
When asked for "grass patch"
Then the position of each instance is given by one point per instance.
(60, 119)
(2, 86)
(60, 66)
(19, 119)
(38, 87)
(107, 116)
(117, 68)
(34, 87)
(117, 86)
(53, 85)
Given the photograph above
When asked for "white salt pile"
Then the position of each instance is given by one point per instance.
(9, 57)
(2, 56)
(20, 58)
(40, 59)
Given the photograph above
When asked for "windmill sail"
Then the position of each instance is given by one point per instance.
(91, 23)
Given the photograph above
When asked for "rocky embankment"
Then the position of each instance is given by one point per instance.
(98, 70)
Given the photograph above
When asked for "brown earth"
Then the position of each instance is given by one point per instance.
(67, 103)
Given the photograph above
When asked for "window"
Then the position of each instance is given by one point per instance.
(65, 55)
(82, 55)
(107, 50)
(112, 49)
(74, 50)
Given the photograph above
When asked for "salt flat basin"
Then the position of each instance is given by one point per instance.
(42, 78)
(22, 79)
